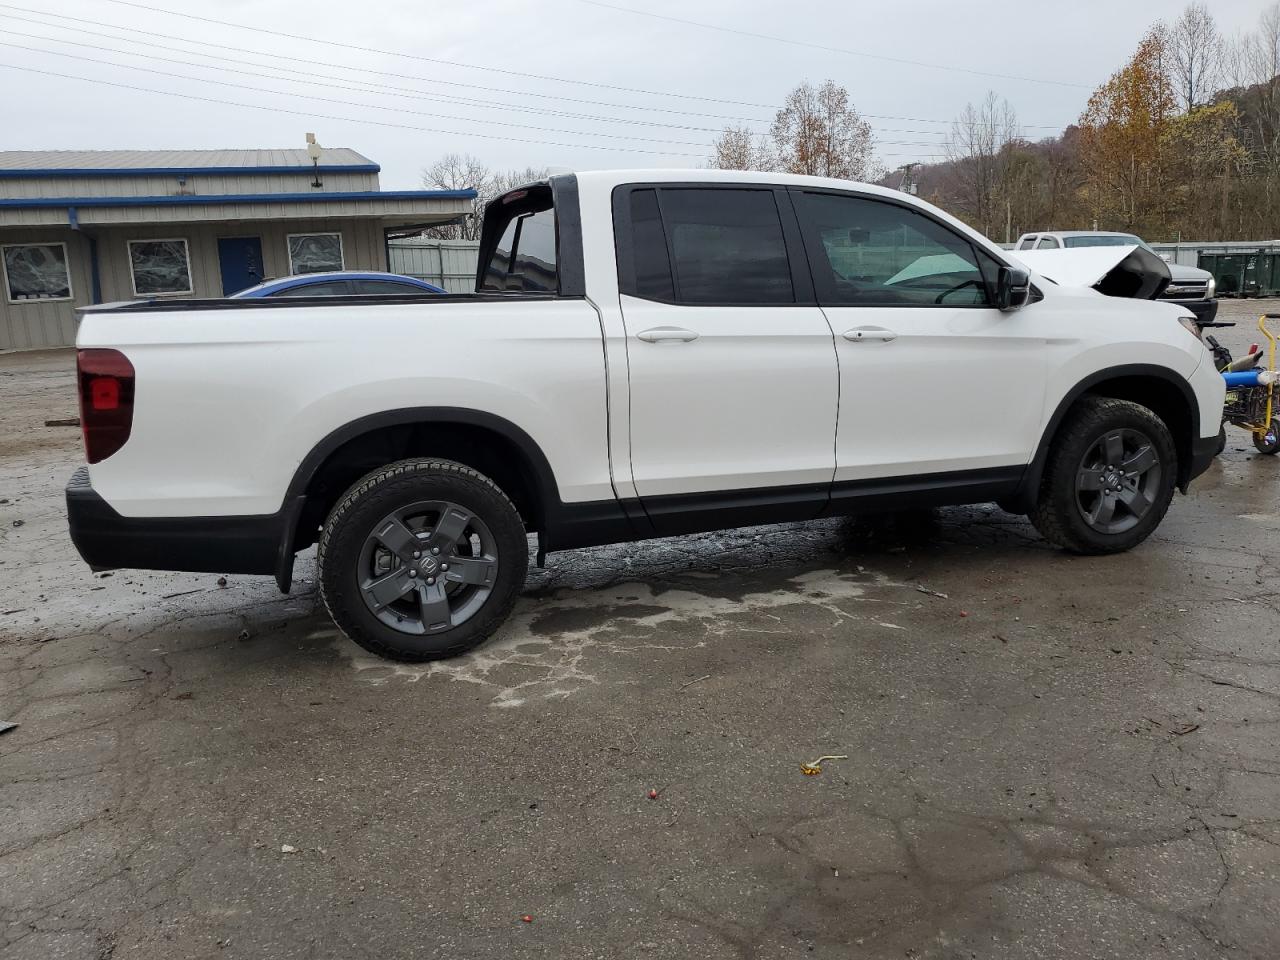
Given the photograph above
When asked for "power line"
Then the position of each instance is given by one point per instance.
(365, 120)
(447, 63)
(361, 90)
(811, 45)
(322, 116)
(365, 86)
(349, 103)
(275, 55)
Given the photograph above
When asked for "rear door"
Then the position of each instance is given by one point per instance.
(732, 366)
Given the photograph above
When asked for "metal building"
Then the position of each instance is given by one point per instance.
(81, 227)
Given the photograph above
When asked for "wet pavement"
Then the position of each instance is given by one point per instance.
(1047, 756)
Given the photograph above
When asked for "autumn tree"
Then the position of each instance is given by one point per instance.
(818, 132)
(1121, 136)
(464, 172)
(1205, 162)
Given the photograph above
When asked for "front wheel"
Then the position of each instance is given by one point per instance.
(1269, 441)
(422, 560)
(1109, 478)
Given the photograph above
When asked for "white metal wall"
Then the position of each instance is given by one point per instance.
(447, 263)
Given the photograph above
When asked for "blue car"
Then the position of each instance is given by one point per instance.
(340, 283)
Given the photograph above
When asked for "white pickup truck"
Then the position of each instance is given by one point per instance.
(648, 353)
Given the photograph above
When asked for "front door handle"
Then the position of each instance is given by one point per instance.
(870, 333)
(660, 334)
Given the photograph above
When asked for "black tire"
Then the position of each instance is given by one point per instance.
(1066, 511)
(490, 550)
(1270, 442)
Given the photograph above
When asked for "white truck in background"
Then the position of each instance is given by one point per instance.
(647, 353)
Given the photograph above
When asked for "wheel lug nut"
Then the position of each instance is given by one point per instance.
(417, 554)
(413, 573)
(431, 581)
(444, 566)
(435, 550)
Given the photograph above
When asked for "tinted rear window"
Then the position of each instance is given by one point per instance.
(708, 246)
(326, 288)
(386, 288)
(524, 257)
(1101, 241)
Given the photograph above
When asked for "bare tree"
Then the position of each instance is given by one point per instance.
(737, 148)
(977, 148)
(1194, 50)
(819, 132)
(462, 172)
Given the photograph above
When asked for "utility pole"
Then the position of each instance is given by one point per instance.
(908, 183)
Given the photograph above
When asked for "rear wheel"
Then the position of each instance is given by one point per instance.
(1109, 478)
(1269, 442)
(422, 560)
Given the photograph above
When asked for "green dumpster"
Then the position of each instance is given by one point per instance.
(1269, 274)
(1237, 274)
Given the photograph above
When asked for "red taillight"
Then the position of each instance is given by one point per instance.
(106, 401)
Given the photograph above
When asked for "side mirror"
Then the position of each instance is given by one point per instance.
(1013, 288)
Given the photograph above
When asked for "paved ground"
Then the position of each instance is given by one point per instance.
(1060, 758)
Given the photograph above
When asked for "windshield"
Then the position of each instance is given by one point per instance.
(1107, 240)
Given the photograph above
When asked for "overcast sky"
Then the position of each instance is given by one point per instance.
(695, 80)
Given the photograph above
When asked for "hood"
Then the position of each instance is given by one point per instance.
(1133, 272)
(1180, 271)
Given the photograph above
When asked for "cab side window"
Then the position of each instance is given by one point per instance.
(866, 252)
(705, 247)
(1047, 243)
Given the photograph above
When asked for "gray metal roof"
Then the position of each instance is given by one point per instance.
(123, 160)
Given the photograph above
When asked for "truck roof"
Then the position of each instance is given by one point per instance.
(605, 178)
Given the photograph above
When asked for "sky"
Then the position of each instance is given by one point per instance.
(570, 84)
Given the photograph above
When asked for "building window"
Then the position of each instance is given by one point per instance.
(160, 266)
(36, 271)
(314, 252)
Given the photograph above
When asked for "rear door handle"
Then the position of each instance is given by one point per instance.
(870, 333)
(661, 334)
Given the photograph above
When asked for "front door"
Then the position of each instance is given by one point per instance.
(733, 378)
(240, 261)
(936, 384)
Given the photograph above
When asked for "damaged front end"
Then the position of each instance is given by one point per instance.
(1131, 272)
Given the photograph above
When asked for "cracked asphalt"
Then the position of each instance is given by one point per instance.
(1047, 756)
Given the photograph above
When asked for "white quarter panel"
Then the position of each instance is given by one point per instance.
(228, 402)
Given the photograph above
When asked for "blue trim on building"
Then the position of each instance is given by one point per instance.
(308, 169)
(187, 200)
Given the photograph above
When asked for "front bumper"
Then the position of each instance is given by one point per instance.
(1203, 452)
(1203, 310)
(108, 541)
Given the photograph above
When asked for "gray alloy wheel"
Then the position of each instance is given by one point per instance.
(1118, 480)
(427, 567)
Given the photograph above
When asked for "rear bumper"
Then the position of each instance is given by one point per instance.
(108, 541)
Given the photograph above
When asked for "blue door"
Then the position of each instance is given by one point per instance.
(240, 259)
